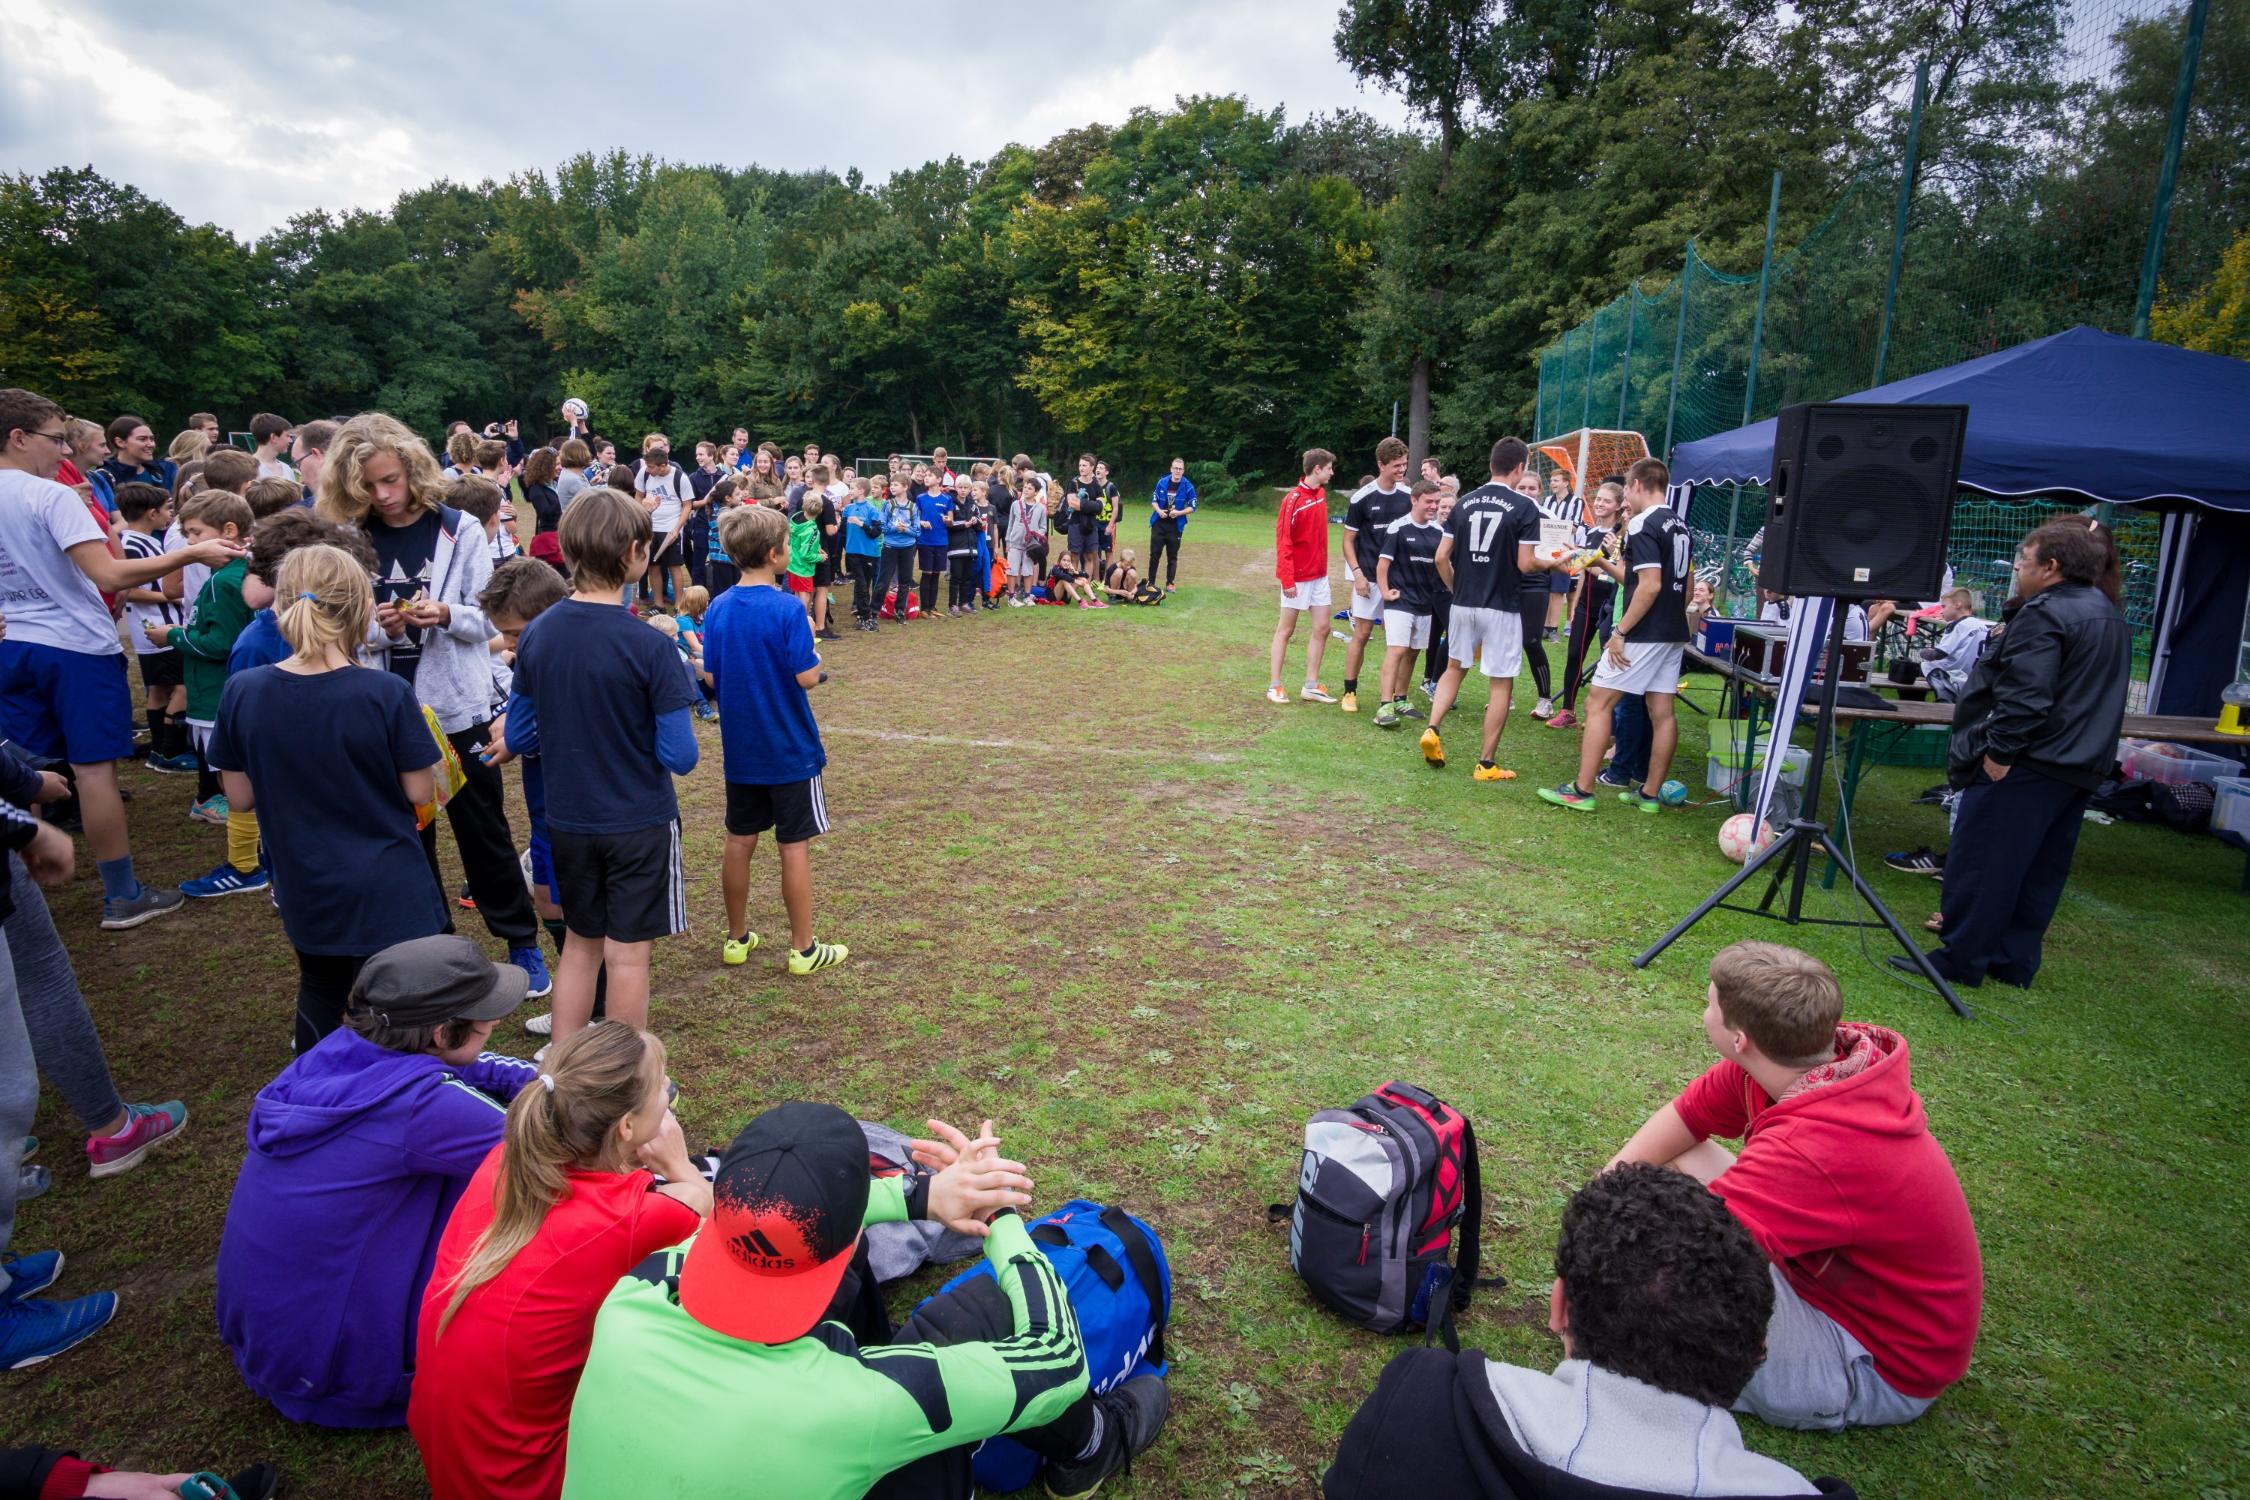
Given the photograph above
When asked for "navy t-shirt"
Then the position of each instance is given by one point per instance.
(598, 678)
(403, 555)
(324, 754)
(756, 640)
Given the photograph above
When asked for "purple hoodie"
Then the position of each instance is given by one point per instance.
(356, 1156)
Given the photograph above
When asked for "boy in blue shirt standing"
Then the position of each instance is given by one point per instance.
(863, 552)
(601, 699)
(758, 648)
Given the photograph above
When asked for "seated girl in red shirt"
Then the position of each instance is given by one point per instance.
(562, 1207)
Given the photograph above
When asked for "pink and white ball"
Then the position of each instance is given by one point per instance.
(1734, 837)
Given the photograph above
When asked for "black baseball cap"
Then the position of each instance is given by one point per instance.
(434, 979)
(788, 1202)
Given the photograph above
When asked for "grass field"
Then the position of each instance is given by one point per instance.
(1096, 888)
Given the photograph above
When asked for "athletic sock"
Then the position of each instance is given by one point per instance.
(118, 881)
(156, 717)
(1351, 684)
(175, 736)
(242, 841)
(809, 949)
(1093, 1440)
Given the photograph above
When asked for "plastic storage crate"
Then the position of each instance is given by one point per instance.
(2159, 760)
(1903, 745)
(1734, 760)
(2230, 807)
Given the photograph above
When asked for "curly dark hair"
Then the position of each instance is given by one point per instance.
(283, 532)
(1663, 1283)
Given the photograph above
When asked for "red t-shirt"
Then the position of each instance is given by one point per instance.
(1300, 537)
(1845, 1189)
(491, 1399)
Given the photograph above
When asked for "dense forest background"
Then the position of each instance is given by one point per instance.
(1214, 279)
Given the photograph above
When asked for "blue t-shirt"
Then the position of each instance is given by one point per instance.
(324, 754)
(756, 640)
(858, 516)
(598, 678)
(935, 507)
(259, 645)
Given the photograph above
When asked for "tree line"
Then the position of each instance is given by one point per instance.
(1211, 280)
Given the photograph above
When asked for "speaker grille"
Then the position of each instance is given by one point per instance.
(1870, 500)
(1872, 517)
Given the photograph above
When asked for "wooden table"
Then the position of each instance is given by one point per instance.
(1749, 691)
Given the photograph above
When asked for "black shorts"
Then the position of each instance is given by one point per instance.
(674, 556)
(160, 669)
(795, 810)
(627, 886)
(824, 572)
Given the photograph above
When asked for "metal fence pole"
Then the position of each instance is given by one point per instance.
(1726, 558)
(1758, 322)
(1679, 341)
(1625, 372)
(1593, 342)
(1898, 225)
(2191, 52)
(1538, 403)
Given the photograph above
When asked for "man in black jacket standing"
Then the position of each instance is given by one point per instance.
(2034, 734)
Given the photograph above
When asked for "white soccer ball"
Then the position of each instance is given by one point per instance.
(1734, 837)
(574, 409)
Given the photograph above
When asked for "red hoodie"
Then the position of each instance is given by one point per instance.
(1843, 1186)
(1300, 537)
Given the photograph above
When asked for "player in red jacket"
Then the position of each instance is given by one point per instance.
(1878, 1282)
(1300, 566)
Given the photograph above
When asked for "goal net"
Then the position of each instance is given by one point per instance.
(1588, 456)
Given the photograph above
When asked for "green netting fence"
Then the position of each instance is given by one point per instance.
(1960, 238)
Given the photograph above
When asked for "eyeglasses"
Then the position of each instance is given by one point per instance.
(60, 440)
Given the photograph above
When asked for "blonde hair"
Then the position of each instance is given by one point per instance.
(189, 446)
(322, 600)
(345, 494)
(695, 599)
(568, 1118)
(752, 535)
(665, 626)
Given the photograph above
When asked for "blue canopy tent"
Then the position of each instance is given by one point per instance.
(2110, 419)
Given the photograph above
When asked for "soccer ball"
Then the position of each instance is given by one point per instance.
(1672, 793)
(1734, 837)
(574, 409)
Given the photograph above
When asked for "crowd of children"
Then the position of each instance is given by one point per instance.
(518, 1261)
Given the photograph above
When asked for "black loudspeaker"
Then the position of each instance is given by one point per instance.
(1861, 503)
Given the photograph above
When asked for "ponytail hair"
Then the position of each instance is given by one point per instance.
(567, 1118)
(322, 600)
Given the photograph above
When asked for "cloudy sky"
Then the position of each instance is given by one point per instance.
(243, 114)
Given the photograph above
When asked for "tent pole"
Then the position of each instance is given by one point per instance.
(1679, 340)
(1898, 223)
(1758, 323)
(2168, 178)
(1726, 558)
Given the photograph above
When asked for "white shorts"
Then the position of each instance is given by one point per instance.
(1654, 669)
(1311, 594)
(1367, 606)
(1403, 629)
(1491, 639)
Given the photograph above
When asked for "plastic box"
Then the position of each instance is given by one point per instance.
(1715, 636)
(2230, 807)
(1734, 760)
(2159, 760)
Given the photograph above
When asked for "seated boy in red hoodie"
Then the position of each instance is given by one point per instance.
(1878, 1284)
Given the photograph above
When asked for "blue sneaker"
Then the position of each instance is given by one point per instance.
(33, 1331)
(528, 960)
(29, 1275)
(173, 765)
(225, 880)
(31, 1181)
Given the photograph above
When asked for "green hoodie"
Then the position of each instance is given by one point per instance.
(205, 641)
(804, 546)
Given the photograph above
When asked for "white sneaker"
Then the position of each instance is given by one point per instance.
(541, 1055)
(1543, 709)
(1275, 694)
(541, 1025)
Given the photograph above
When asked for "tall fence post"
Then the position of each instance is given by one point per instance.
(1725, 589)
(1625, 371)
(1593, 342)
(1679, 341)
(1758, 321)
(1538, 404)
(2183, 93)
(1898, 224)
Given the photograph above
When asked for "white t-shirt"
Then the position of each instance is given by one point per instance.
(192, 576)
(672, 492)
(275, 468)
(46, 599)
(144, 544)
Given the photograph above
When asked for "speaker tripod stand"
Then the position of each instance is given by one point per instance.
(1791, 854)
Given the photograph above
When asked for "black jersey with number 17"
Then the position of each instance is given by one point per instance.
(1488, 524)
(1657, 539)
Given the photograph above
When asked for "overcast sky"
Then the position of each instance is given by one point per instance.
(243, 114)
